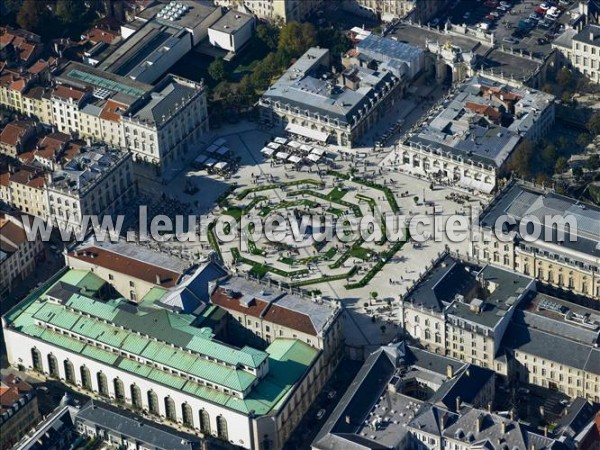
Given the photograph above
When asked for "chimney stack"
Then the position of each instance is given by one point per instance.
(479, 422)
(449, 371)
(458, 403)
(157, 279)
(348, 420)
(503, 427)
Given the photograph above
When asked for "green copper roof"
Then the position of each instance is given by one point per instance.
(169, 340)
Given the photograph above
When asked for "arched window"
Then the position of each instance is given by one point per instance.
(222, 428)
(136, 396)
(204, 421)
(102, 384)
(187, 415)
(86, 378)
(69, 372)
(119, 388)
(153, 403)
(170, 410)
(36, 359)
(53, 366)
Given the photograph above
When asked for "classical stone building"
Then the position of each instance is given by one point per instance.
(570, 262)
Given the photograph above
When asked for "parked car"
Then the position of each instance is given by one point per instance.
(510, 40)
(331, 395)
(320, 414)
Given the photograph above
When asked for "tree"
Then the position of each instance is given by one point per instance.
(520, 162)
(31, 15)
(564, 77)
(562, 164)
(593, 162)
(548, 156)
(268, 35)
(577, 172)
(295, 38)
(70, 11)
(583, 139)
(594, 124)
(217, 70)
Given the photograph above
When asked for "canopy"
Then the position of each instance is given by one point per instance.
(221, 165)
(318, 151)
(294, 144)
(219, 142)
(280, 140)
(294, 159)
(273, 145)
(305, 148)
(223, 151)
(267, 151)
(200, 159)
(282, 155)
(313, 157)
(210, 162)
(212, 148)
(306, 132)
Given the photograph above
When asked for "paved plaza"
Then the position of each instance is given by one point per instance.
(369, 321)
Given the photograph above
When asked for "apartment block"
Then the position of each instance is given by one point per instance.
(18, 409)
(276, 10)
(18, 255)
(581, 49)
(97, 182)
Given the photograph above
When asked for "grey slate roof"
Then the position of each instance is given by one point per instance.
(579, 414)
(136, 428)
(519, 201)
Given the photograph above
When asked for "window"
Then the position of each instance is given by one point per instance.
(222, 428)
(111, 276)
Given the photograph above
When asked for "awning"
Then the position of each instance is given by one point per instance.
(212, 148)
(282, 155)
(273, 145)
(294, 159)
(211, 162)
(219, 142)
(267, 151)
(281, 140)
(222, 151)
(200, 159)
(318, 151)
(307, 132)
(305, 148)
(474, 184)
(313, 157)
(294, 144)
(221, 165)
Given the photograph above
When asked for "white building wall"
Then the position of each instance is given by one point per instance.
(19, 352)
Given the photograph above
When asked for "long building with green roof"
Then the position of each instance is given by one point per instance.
(79, 329)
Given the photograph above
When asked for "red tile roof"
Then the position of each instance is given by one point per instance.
(128, 266)
(485, 110)
(13, 132)
(269, 311)
(67, 92)
(109, 112)
(96, 35)
(11, 232)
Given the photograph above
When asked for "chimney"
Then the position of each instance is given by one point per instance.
(348, 420)
(503, 427)
(546, 431)
(157, 279)
(458, 403)
(449, 371)
(591, 35)
(444, 421)
(479, 422)
(489, 407)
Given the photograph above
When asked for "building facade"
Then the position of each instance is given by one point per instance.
(472, 140)
(18, 254)
(570, 262)
(19, 410)
(98, 182)
(581, 49)
(79, 330)
(337, 111)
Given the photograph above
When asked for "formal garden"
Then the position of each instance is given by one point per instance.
(307, 256)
